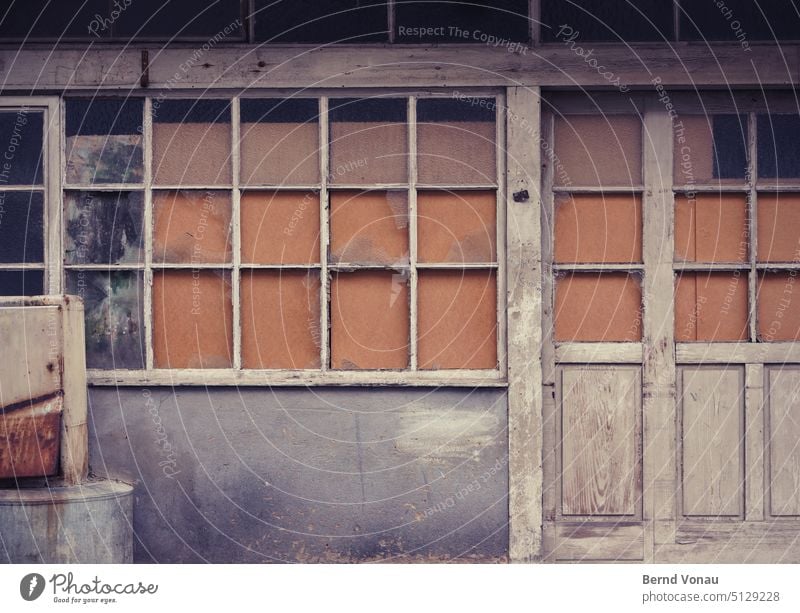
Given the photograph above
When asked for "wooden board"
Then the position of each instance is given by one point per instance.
(599, 541)
(713, 456)
(784, 434)
(30, 439)
(599, 431)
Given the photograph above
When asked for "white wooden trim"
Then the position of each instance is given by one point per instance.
(755, 449)
(52, 169)
(413, 280)
(524, 308)
(236, 240)
(147, 281)
(738, 353)
(74, 420)
(752, 213)
(593, 353)
(324, 237)
(501, 229)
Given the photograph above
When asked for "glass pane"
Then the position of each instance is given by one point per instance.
(280, 141)
(104, 141)
(778, 147)
(369, 227)
(180, 19)
(280, 319)
(711, 307)
(280, 227)
(21, 227)
(192, 316)
(598, 228)
(192, 227)
(601, 20)
(457, 22)
(21, 134)
(598, 150)
(598, 307)
(21, 282)
(103, 227)
(369, 320)
(778, 311)
(53, 19)
(740, 20)
(711, 228)
(710, 149)
(456, 226)
(191, 142)
(778, 227)
(369, 141)
(311, 21)
(114, 327)
(457, 319)
(456, 141)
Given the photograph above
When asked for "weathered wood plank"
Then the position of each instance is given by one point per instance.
(31, 338)
(29, 439)
(599, 542)
(737, 353)
(754, 442)
(784, 441)
(74, 428)
(586, 353)
(599, 430)
(711, 441)
(524, 335)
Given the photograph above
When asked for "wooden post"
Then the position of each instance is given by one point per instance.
(74, 429)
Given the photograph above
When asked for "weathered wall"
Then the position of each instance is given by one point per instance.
(259, 475)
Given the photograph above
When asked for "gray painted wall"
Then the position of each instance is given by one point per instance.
(297, 475)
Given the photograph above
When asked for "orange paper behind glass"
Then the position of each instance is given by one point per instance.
(363, 153)
(369, 227)
(779, 306)
(192, 319)
(192, 227)
(280, 227)
(279, 153)
(598, 150)
(456, 226)
(191, 153)
(598, 307)
(711, 228)
(280, 319)
(711, 307)
(369, 320)
(778, 227)
(457, 319)
(456, 153)
(598, 228)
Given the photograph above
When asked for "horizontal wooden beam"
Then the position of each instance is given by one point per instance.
(45, 68)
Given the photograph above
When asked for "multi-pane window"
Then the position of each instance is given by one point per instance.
(345, 234)
(737, 227)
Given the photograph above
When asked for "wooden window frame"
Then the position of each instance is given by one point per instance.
(325, 375)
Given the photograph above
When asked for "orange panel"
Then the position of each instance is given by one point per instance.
(279, 153)
(280, 319)
(778, 228)
(693, 159)
(456, 153)
(598, 307)
(369, 227)
(457, 319)
(456, 226)
(369, 320)
(191, 153)
(280, 227)
(192, 227)
(599, 228)
(597, 150)
(711, 228)
(192, 319)
(363, 153)
(778, 306)
(711, 307)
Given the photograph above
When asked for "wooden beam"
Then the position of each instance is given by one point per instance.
(74, 428)
(297, 66)
(524, 301)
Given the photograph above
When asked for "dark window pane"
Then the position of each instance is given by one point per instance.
(778, 146)
(279, 110)
(21, 282)
(311, 21)
(103, 228)
(601, 20)
(219, 20)
(54, 19)
(192, 111)
(21, 227)
(456, 22)
(104, 141)
(113, 315)
(21, 147)
(740, 20)
(730, 146)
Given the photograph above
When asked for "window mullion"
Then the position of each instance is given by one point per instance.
(324, 233)
(147, 138)
(752, 221)
(412, 230)
(236, 236)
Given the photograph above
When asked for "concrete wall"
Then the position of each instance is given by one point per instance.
(297, 475)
